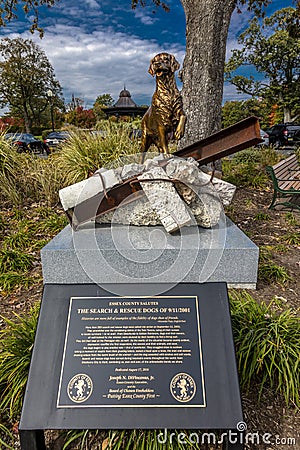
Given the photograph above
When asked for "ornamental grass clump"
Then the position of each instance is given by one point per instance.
(16, 344)
(8, 164)
(273, 273)
(291, 238)
(14, 260)
(9, 281)
(86, 152)
(267, 345)
(28, 178)
(268, 270)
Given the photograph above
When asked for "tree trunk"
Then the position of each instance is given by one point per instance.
(27, 120)
(287, 114)
(207, 23)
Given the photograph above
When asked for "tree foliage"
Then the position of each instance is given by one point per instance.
(9, 11)
(254, 5)
(293, 23)
(275, 53)
(234, 111)
(26, 75)
(80, 117)
(102, 101)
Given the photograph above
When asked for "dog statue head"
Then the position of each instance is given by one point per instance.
(163, 64)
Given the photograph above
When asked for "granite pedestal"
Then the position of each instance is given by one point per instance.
(130, 254)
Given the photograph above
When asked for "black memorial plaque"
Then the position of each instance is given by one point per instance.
(136, 361)
(132, 352)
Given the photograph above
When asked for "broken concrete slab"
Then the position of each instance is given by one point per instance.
(77, 193)
(164, 199)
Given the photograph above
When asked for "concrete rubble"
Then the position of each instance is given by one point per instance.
(164, 198)
(71, 196)
(191, 198)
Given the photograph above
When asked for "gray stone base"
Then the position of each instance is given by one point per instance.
(130, 254)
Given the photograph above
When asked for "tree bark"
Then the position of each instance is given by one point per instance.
(207, 23)
(27, 119)
(287, 114)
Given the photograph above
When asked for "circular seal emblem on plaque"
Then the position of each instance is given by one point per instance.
(183, 387)
(80, 388)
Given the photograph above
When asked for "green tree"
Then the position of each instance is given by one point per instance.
(25, 77)
(102, 101)
(234, 111)
(275, 53)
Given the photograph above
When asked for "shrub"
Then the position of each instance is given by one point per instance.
(267, 345)
(244, 175)
(249, 156)
(247, 168)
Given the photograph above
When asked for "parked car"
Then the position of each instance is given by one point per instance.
(101, 133)
(26, 142)
(297, 138)
(56, 138)
(282, 134)
(265, 139)
(135, 134)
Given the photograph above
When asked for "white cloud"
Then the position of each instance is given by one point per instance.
(145, 18)
(99, 55)
(239, 21)
(92, 4)
(230, 94)
(89, 64)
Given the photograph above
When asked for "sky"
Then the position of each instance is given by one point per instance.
(98, 46)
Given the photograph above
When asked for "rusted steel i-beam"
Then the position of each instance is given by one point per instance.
(238, 137)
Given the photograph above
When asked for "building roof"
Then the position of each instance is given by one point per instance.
(125, 100)
(125, 106)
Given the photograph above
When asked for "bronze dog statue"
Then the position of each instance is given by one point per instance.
(165, 114)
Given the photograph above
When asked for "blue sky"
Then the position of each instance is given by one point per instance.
(97, 46)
